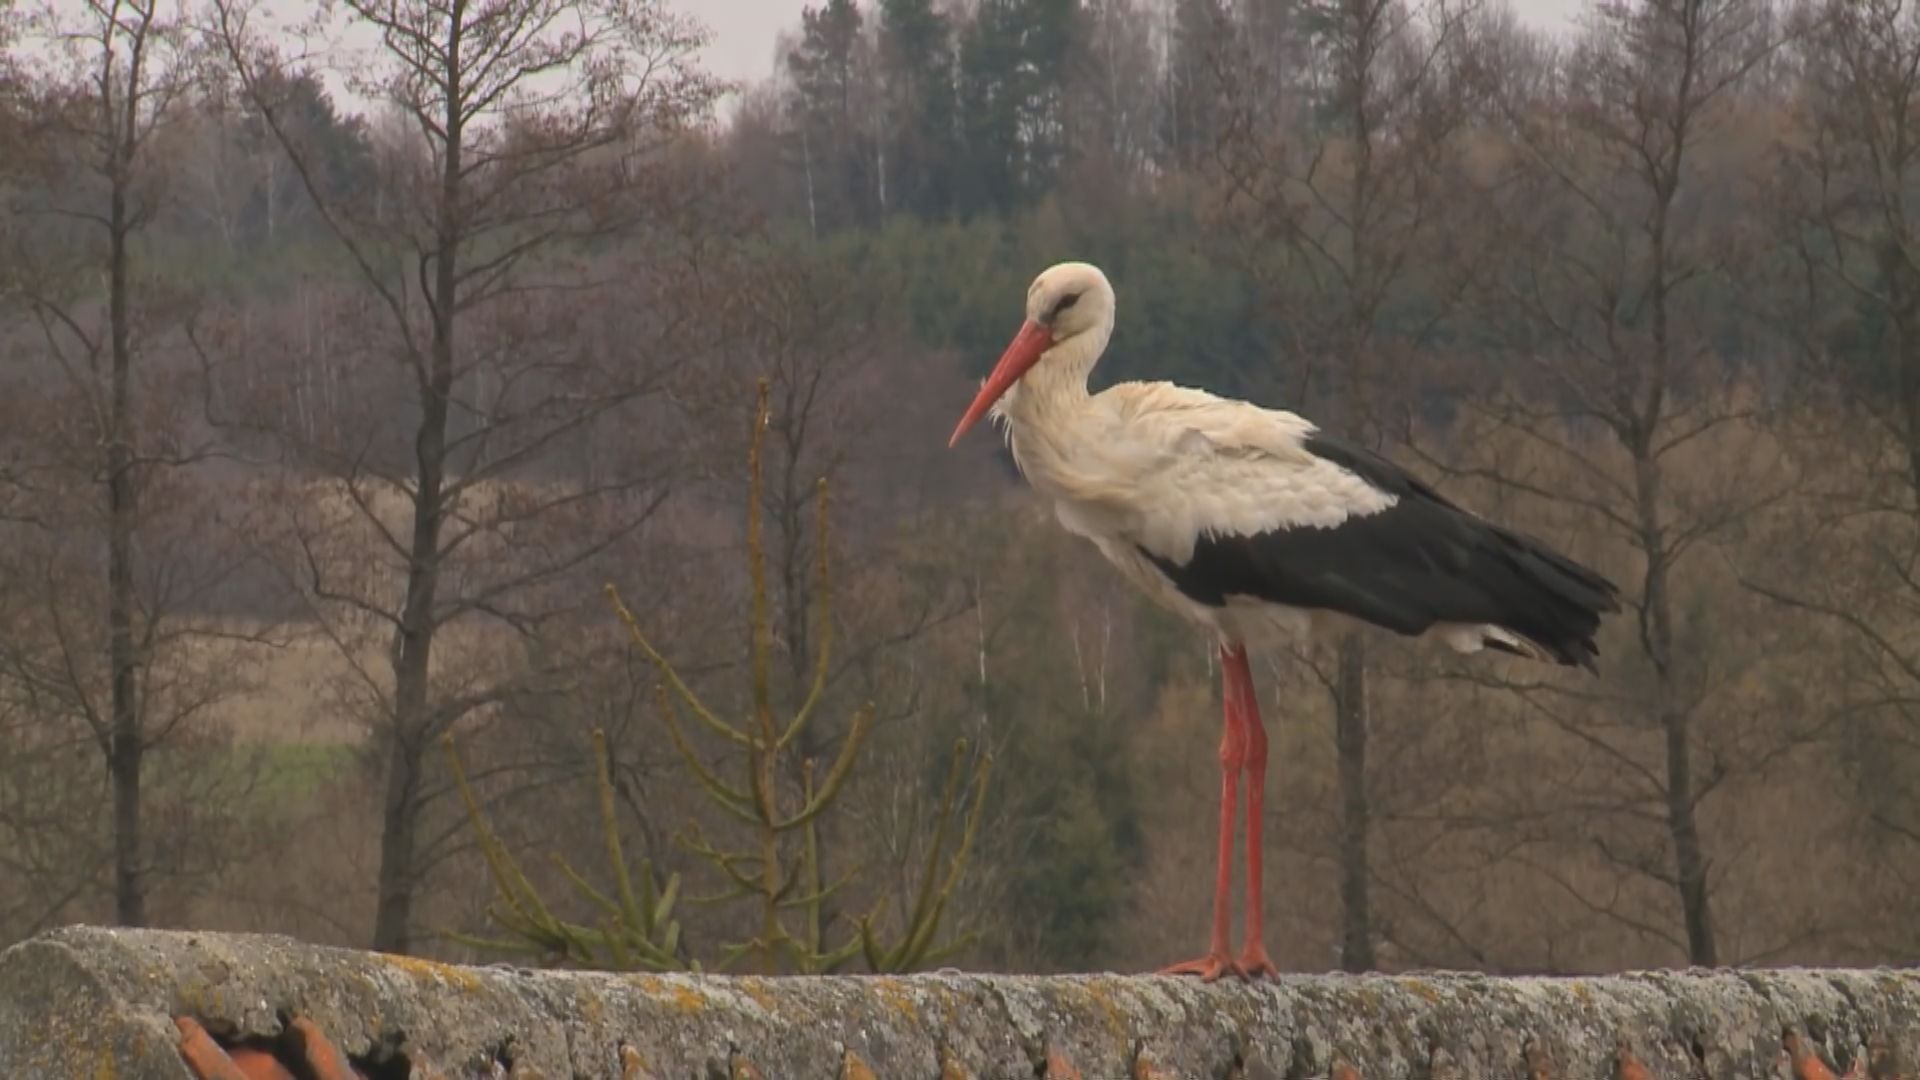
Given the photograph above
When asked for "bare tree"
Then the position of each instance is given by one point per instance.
(1605, 303)
(1849, 213)
(116, 75)
(533, 129)
(1113, 93)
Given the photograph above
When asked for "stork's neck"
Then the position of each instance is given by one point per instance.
(1052, 427)
(1058, 383)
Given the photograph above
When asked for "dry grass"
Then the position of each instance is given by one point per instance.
(312, 688)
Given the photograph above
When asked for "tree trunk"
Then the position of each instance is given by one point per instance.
(413, 714)
(412, 657)
(393, 913)
(1676, 721)
(1690, 864)
(1350, 736)
(125, 748)
(1903, 295)
(806, 160)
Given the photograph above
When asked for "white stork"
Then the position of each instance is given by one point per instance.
(1257, 527)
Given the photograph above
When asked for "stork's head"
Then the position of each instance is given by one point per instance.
(1068, 302)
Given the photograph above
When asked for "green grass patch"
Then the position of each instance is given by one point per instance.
(293, 770)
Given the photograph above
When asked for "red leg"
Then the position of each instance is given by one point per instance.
(1253, 960)
(1233, 750)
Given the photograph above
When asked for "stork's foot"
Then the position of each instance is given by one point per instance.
(1209, 967)
(1254, 963)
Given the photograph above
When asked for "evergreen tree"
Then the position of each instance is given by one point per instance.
(919, 144)
(342, 157)
(1014, 66)
(989, 107)
(1051, 27)
(830, 69)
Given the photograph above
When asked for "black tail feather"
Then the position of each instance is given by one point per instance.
(1553, 601)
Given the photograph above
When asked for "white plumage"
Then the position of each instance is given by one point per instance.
(1161, 467)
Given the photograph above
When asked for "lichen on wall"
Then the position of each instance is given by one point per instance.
(91, 1002)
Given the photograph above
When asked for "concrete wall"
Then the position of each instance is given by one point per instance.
(85, 1002)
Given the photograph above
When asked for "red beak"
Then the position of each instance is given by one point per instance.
(1025, 351)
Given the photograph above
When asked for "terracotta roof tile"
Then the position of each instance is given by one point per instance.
(302, 1053)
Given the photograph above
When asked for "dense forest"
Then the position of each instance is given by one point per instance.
(345, 359)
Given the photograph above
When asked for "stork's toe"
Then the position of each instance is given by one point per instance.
(1209, 967)
(1254, 963)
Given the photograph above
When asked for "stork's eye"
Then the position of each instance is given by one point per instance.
(1066, 302)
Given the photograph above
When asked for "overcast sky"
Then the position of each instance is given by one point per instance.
(743, 30)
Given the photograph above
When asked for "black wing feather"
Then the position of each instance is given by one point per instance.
(1419, 562)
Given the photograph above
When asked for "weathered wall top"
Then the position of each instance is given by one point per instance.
(84, 1002)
